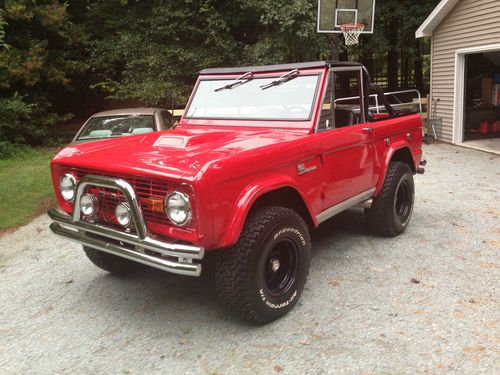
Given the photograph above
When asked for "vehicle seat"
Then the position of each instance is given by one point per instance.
(344, 117)
(141, 130)
(100, 133)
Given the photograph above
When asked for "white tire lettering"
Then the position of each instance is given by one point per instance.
(291, 230)
(281, 305)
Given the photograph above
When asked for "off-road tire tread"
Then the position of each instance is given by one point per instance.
(377, 217)
(231, 278)
(111, 263)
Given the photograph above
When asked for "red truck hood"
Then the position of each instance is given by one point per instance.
(177, 153)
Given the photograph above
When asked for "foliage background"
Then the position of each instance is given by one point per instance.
(60, 59)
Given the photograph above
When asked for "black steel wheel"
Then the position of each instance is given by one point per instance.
(403, 203)
(281, 267)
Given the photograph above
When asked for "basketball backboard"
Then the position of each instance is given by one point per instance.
(333, 13)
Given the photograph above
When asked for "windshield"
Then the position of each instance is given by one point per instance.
(256, 99)
(116, 126)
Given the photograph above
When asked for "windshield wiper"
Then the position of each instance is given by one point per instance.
(284, 78)
(247, 77)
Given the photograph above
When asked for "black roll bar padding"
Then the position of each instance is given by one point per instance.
(381, 97)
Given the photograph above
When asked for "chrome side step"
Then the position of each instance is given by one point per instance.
(342, 206)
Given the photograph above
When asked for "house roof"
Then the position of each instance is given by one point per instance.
(435, 18)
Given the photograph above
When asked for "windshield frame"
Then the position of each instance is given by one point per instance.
(301, 123)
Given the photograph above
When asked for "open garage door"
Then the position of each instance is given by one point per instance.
(482, 96)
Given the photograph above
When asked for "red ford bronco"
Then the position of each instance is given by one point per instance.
(261, 155)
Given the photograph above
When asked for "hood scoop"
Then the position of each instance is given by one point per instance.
(171, 141)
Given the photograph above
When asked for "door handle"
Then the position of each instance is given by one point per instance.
(368, 130)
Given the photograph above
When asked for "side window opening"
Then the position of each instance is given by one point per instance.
(342, 105)
(348, 96)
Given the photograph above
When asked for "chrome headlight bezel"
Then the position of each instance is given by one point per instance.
(68, 191)
(177, 200)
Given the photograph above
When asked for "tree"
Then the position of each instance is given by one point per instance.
(37, 68)
(59, 57)
(2, 30)
(154, 53)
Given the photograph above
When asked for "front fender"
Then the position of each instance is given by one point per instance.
(248, 197)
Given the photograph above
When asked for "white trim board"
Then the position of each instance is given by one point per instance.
(435, 18)
(459, 89)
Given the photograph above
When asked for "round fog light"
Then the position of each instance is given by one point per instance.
(122, 213)
(88, 204)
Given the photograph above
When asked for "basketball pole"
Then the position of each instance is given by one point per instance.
(335, 46)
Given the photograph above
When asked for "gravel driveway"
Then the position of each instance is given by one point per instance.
(425, 302)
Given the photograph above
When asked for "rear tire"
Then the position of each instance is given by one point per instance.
(111, 263)
(263, 275)
(391, 210)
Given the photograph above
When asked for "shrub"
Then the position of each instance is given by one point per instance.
(15, 119)
(26, 123)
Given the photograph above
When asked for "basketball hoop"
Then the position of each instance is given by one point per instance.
(351, 32)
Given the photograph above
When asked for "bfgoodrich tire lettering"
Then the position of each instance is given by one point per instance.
(391, 210)
(263, 275)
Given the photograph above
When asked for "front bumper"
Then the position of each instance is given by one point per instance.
(140, 247)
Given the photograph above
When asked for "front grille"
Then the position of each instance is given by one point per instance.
(146, 190)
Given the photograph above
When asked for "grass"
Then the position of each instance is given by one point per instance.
(25, 187)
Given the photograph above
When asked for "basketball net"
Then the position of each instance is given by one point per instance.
(351, 32)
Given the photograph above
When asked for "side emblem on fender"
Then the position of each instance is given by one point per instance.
(301, 168)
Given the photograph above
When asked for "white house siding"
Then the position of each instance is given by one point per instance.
(471, 23)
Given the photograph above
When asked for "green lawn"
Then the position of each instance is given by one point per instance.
(25, 187)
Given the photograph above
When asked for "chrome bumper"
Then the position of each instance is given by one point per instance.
(174, 258)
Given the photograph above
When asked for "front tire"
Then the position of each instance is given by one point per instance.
(391, 210)
(263, 275)
(111, 263)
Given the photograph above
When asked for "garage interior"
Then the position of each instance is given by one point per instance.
(482, 100)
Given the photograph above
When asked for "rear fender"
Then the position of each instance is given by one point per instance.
(247, 199)
(387, 158)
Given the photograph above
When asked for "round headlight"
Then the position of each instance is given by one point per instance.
(122, 214)
(88, 204)
(67, 186)
(178, 208)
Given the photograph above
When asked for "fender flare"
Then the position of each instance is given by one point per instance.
(393, 148)
(247, 199)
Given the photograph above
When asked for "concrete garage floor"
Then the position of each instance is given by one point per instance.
(489, 145)
(425, 302)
